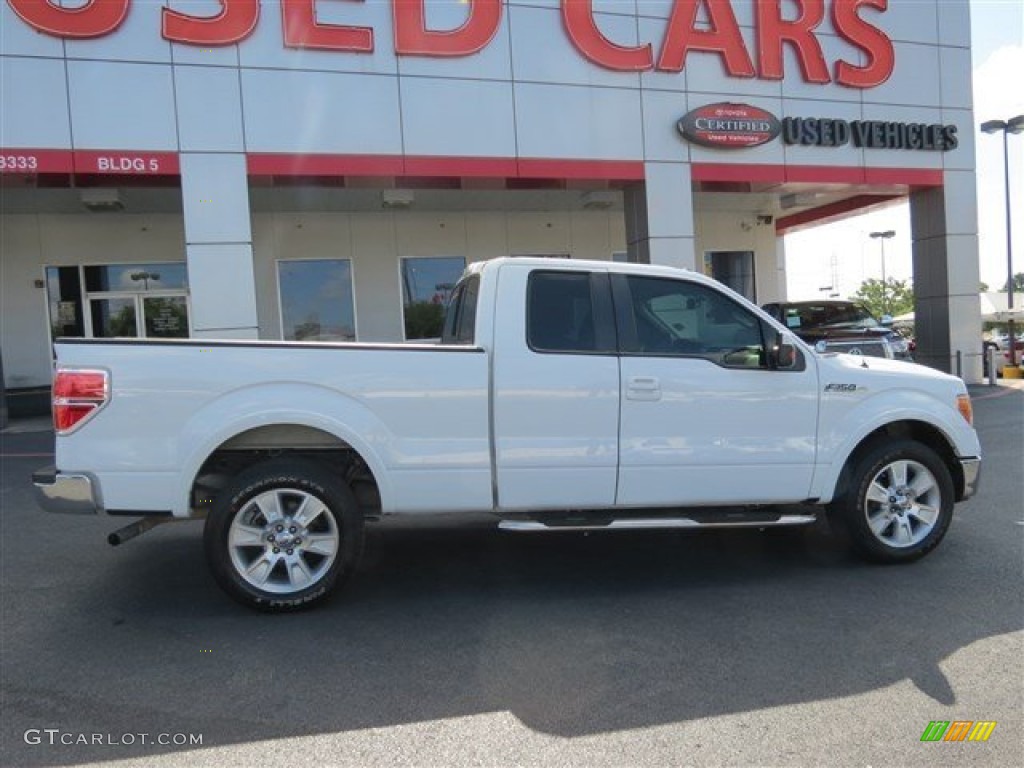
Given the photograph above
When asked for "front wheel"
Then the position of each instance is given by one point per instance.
(898, 504)
(283, 534)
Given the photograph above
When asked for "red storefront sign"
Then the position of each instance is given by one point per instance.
(775, 30)
(127, 163)
(35, 161)
(99, 162)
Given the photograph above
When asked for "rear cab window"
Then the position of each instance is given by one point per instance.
(460, 318)
(569, 312)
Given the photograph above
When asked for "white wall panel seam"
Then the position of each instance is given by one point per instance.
(177, 117)
(227, 328)
(552, 84)
(515, 116)
(401, 134)
(115, 60)
(217, 242)
(29, 56)
(318, 71)
(643, 118)
(67, 97)
(241, 117)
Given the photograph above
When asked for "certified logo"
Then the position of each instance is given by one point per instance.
(729, 126)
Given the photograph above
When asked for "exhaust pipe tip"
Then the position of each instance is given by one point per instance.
(130, 531)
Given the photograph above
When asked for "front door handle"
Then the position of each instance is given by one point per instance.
(643, 388)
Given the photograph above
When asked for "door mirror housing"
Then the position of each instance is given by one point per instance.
(783, 356)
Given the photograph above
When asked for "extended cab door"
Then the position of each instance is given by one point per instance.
(556, 389)
(704, 418)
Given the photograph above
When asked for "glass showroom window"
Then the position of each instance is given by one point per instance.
(427, 284)
(316, 300)
(119, 300)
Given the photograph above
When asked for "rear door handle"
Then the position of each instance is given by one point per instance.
(643, 388)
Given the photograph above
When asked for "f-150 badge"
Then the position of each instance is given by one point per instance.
(840, 387)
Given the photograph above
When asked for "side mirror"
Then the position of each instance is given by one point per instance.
(782, 356)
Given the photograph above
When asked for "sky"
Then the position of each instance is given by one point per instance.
(844, 254)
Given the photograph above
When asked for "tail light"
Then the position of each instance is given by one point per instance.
(77, 395)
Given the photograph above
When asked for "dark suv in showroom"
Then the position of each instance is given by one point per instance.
(842, 326)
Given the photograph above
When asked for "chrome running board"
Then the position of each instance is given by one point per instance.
(653, 523)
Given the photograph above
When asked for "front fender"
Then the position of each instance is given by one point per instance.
(846, 424)
(262, 405)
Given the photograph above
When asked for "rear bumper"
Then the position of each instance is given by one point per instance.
(972, 476)
(67, 493)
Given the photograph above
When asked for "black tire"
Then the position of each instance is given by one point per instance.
(899, 526)
(267, 541)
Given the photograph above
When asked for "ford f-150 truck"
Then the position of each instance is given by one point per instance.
(563, 395)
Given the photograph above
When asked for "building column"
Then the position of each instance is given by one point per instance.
(778, 278)
(3, 394)
(947, 313)
(218, 243)
(659, 217)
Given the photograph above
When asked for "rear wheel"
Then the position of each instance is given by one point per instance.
(283, 535)
(899, 502)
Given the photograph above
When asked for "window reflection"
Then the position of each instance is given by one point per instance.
(113, 317)
(316, 300)
(427, 285)
(136, 277)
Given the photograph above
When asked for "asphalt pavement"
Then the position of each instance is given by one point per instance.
(473, 647)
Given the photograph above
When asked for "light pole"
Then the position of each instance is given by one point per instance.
(145, 277)
(1013, 125)
(883, 236)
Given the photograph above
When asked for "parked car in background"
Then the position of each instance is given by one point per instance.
(843, 326)
(1001, 344)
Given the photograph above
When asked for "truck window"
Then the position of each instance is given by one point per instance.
(460, 318)
(679, 317)
(560, 312)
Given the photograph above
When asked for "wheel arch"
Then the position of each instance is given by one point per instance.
(906, 429)
(269, 420)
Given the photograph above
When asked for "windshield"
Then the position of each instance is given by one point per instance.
(829, 316)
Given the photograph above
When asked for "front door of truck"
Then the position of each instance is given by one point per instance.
(704, 418)
(556, 390)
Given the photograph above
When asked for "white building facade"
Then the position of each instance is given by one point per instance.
(324, 169)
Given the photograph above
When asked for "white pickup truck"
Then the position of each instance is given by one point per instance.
(563, 395)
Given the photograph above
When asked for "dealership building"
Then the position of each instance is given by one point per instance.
(324, 169)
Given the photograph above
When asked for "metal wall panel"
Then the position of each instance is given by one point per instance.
(122, 106)
(321, 112)
(461, 118)
(563, 121)
(34, 113)
(209, 108)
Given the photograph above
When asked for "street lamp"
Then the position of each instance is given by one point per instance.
(145, 277)
(883, 236)
(1013, 125)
